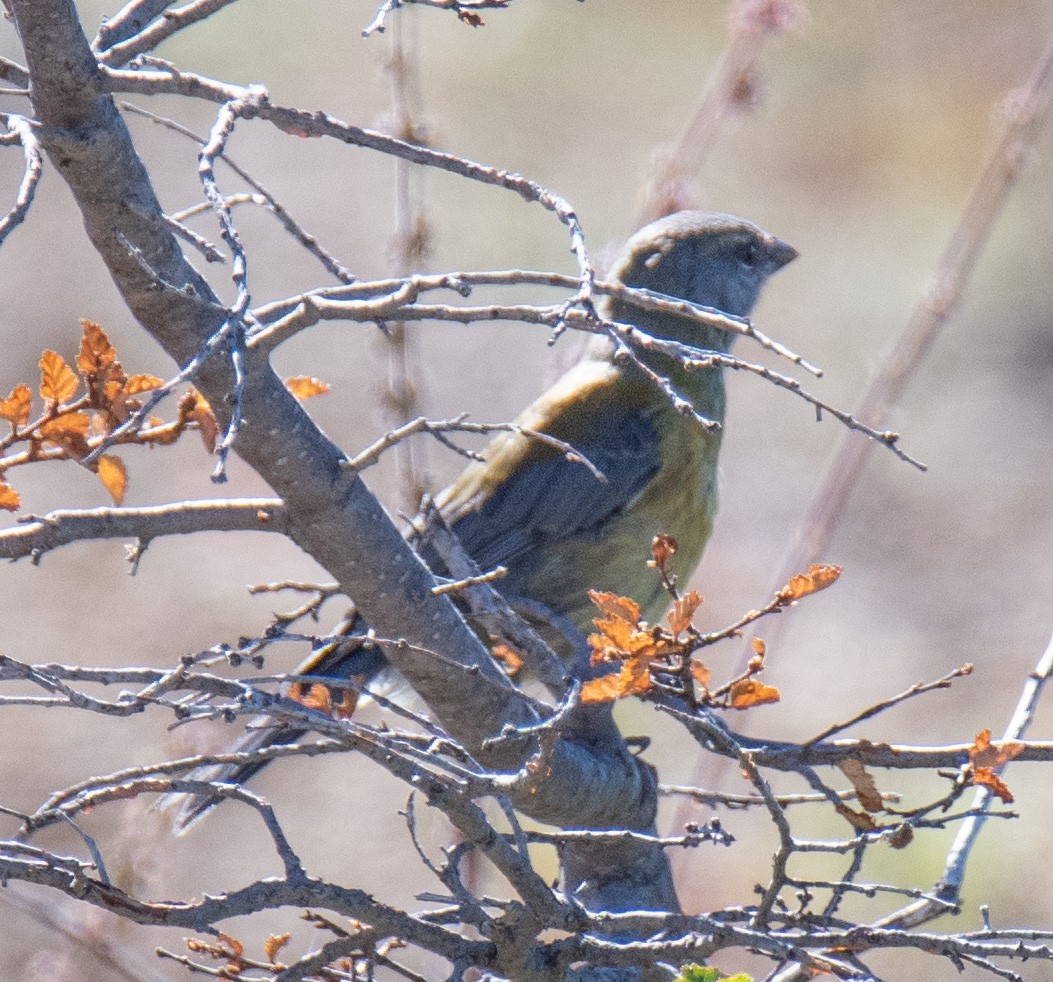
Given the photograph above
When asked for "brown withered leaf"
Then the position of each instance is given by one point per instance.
(57, 380)
(114, 476)
(612, 606)
(984, 753)
(306, 386)
(663, 548)
(862, 782)
(990, 780)
(818, 577)
(759, 647)
(273, 945)
(619, 623)
(750, 692)
(683, 610)
(632, 679)
(901, 837)
(97, 355)
(860, 821)
(69, 431)
(470, 18)
(142, 383)
(194, 407)
(508, 658)
(10, 500)
(700, 674)
(237, 949)
(15, 408)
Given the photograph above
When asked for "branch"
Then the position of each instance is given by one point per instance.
(22, 128)
(466, 10)
(118, 52)
(35, 535)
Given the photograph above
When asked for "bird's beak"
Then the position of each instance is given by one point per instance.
(780, 252)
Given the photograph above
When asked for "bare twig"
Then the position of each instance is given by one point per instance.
(466, 10)
(879, 707)
(273, 205)
(149, 37)
(22, 128)
(459, 424)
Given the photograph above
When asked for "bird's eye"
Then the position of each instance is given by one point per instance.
(750, 253)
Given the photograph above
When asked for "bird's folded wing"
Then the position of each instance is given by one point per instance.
(527, 492)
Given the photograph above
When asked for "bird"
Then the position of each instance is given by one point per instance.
(558, 529)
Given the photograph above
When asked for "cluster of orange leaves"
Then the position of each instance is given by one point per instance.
(85, 402)
(640, 649)
(232, 951)
(987, 758)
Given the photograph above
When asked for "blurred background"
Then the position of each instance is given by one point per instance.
(872, 123)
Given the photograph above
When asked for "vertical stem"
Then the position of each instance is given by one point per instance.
(400, 397)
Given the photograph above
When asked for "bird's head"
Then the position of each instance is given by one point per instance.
(708, 258)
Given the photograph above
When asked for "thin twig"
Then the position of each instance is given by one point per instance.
(879, 707)
(273, 205)
(22, 128)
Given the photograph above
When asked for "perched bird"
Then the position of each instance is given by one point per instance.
(559, 530)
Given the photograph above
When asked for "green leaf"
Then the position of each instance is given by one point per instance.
(706, 973)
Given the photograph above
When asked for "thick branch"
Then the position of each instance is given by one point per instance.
(37, 535)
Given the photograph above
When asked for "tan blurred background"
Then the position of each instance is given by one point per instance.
(874, 123)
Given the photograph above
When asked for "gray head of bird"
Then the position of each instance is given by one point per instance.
(709, 258)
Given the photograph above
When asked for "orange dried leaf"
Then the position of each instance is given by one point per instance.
(15, 408)
(9, 498)
(663, 548)
(759, 647)
(97, 355)
(614, 607)
(990, 780)
(194, 407)
(632, 679)
(237, 949)
(700, 674)
(860, 821)
(114, 476)
(985, 754)
(142, 383)
(274, 944)
(817, 578)
(862, 782)
(69, 431)
(750, 692)
(683, 610)
(508, 658)
(57, 380)
(618, 628)
(306, 386)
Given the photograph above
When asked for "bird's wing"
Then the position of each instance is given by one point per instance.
(527, 492)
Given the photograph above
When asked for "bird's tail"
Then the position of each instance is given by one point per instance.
(355, 659)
